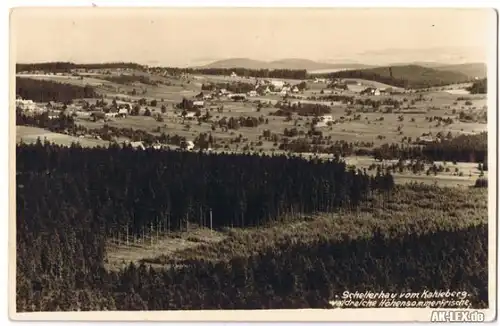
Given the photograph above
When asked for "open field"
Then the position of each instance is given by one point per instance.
(365, 129)
(73, 80)
(324, 71)
(30, 135)
(449, 178)
(120, 253)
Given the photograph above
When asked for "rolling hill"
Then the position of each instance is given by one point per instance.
(472, 70)
(409, 76)
(292, 64)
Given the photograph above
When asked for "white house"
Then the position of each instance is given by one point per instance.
(252, 93)
(111, 114)
(198, 104)
(324, 120)
(283, 92)
(189, 115)
(188, 145)
(122, 104)
(241, 95)
(295, 89)
(233, 74)
(20, 101)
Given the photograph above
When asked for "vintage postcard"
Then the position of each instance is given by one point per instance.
(253, 164)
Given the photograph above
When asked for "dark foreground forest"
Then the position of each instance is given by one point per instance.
(373, 235)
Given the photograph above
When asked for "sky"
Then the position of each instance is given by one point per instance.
(184, 37)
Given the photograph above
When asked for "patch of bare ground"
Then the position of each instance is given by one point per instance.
(419, 209)
(120, 253)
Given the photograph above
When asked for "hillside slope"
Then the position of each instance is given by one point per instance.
(409, 76)
(292, 64)
(235, 63)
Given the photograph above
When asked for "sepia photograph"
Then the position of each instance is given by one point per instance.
(221, 163)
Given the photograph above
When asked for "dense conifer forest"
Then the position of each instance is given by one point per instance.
(46, 90)
(155, 186)
(61, 67)
(408, 76)
(463, 148)
(71, 200)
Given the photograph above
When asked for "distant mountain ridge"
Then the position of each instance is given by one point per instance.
(292, 64)
(473, 69)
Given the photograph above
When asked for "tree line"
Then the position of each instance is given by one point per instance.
(46, 90)
(129, 79)
(286, 108)
(479, 87)
(463, 148)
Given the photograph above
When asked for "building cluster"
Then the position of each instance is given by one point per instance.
(262, 87)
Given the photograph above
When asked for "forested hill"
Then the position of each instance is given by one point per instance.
(409, 76)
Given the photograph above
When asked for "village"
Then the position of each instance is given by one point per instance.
(313, 117)
(111, 109)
